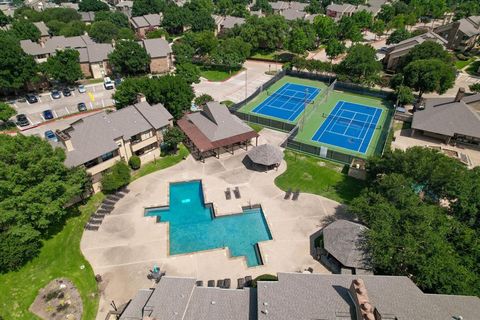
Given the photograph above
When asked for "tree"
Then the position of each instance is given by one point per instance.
(361, 65)
(430, 75)
(404, 95)
(64, 66)
(264, 6)
(175, 19)
(103, 31)
(334, 48)
(302, 37)
(35, 188)
(126, 34)
(183, 52)
(172, 137)
(429, 50)
(134, 162)
(116, 177)
(157, 33)
(203, 99)
(201, 20)
(231, 53)
(314, 7)
(129, 58)
(188, 71)
(348, 29)
(378, 27)
(6, 112)
(267, 33)
(143, 7)
(475, 87)
(398, 36)
(4, 19)
(363, 19)
(17, 68)
(115, 17)
(326, 28)
(24, 30)
(92, 5)
(71, 29)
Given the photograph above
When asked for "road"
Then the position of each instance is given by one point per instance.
(95, 97)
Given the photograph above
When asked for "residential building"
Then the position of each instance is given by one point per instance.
(88, 17)
(160, 53)
(44, 30)
(94, 60)
(290, 10)
(215, 130)
(451, 120)
(125, 7)
(461, 35)
(337, 11)
(395, 52)
(292, 14)
(98, 141)
(226, 22)
(143, 24)
(279, 6)
(69, 5)
(300, 296)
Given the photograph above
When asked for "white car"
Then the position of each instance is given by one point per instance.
(82, 89)
(108, 83)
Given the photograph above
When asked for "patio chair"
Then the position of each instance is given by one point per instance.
(97, 215)
(95, 221)
(296, 194)
(199, 283)
(226, 284)
(240, 283)
(107, 206)
(248, 281)
(220, 283)
(90, 227)
(108, 202)
(103, 211)
(228, 194)
(211, 283)
(237, 193)
(288, 194)
(113, 197)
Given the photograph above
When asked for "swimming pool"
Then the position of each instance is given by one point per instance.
(194, 227)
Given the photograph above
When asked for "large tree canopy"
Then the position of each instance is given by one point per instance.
(92, 5)
(361, 65)
(35, 187)
(143, 7)
(129, 58)
(431, 75)
(268, 33)
(103, 31)
(64, 66)
(25, 30)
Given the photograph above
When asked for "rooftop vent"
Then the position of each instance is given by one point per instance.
(365, 310)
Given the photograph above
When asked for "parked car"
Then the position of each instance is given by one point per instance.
(82, 107)
(108, 83)
(117, 82)
(31, 98)
(66, 92)
(47, 114)
(51, 136)
(22, 120)
(56, 94)
(82, 89)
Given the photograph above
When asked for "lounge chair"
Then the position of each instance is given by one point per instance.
(199, 283)
(211, 283)
(220, 283)
(108, 202)
(113, 197)
(88, 226)
(240, 283)
(226, 283)
(288, 194)
(228, 194)
(237, 193)
(296, 194)
(103, 211)
(95, 221)
(248, 281)
(107, 206)
(97, 215)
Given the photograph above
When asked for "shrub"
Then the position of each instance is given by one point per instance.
(134, 162)
(264, 277)
(116, 177)
(203, 99)
(462, 57)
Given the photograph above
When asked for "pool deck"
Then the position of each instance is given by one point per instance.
(128, 244)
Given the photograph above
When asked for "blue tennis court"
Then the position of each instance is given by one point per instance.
(350, 126)
(288, 102)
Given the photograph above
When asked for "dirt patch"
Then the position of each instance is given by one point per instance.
(306, 176)
(59, 299)
(321, 163)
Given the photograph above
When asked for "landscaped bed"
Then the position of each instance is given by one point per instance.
(212, 74)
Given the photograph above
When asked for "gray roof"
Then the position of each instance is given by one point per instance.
(470, 26)
(446, 117)
(311, 17)
(373, 10)
(345, 7)
(42, 27)
(134, 308)
(95, 135)
(300, 6)
(156, 115)
(69, 5)
(229, 22)
(122, 4)
(88, 16)
(343, 240)
(266, 154)
(148, 20)
(96, 52)
(55, 43)
(279, 5)
(292, 14)
(408, 44)
(217, 123)
(157, 47)
(376, 3)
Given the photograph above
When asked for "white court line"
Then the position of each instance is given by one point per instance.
(376, 109)
(328, 125)
(271, 98)
(311, 96)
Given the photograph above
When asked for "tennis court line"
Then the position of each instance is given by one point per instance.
(373, 131)
(331, 119)
(303, 106)
(270, 99)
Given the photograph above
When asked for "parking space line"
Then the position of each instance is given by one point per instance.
(54, 114)
(68, 112)
(91, 105)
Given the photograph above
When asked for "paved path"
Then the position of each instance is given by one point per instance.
(128, 244)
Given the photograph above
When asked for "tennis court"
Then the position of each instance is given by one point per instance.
(350, 126)
(288, 102)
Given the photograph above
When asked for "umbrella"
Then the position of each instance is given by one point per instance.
(266, 154)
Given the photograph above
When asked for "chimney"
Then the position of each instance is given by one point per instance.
(65, 138)
(141, 98)
(460, 94)
(364, 309)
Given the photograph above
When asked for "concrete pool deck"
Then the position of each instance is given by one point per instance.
(128, 244)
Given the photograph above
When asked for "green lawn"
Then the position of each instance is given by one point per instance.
(217, 75)
(255, 126)
(161, 163)
(317, 176)
(264, 56)
(59, 257)
(473, 68)
(459, 64)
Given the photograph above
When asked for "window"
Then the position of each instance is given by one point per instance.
(136, 139)
(108, 156)
(91, 163)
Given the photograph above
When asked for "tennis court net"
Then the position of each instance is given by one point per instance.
(304, 99)
(350, 122)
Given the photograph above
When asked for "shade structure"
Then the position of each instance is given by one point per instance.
(266, 154)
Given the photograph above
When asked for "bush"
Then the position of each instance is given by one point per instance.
(264, 277)
(462, 57)
(116, 177)
(134, 162)
(203, 99)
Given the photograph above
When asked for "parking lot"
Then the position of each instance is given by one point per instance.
(95, 97)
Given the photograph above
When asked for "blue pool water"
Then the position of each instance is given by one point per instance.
(193, 226)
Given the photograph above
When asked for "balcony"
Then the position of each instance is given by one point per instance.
(103, 165)
(142, 144)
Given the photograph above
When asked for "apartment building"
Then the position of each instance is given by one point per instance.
(461, 35)
(98, 141)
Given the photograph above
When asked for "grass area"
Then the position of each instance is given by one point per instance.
(92, 81)
(473, 68)
(317, 176)
(264, 56)
(228, 103)
(277, 56)
(401, 125)
(255, 126)
(59, 257)
(460, 64)
(218, 74)
(161, 163)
